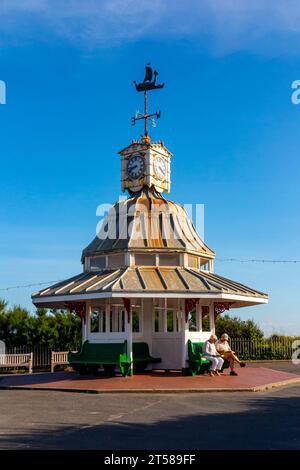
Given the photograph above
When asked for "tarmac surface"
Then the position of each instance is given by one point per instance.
(34, 419)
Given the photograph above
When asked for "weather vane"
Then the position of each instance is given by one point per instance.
(148, 84)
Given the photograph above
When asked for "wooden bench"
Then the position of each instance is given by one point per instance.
(8, 361)
(142, 357)
(198, 363)
(59, 358)
(93, 355)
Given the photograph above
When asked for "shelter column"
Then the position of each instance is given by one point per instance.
(128, 331)
(184, 332)
(212, 320)
(85, 322)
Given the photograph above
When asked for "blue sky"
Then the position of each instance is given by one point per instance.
(226, 115)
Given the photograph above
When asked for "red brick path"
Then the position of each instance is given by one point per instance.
(251, 379)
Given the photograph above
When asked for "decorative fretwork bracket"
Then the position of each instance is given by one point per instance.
(78, 308)
(220, 307)
(189, 306)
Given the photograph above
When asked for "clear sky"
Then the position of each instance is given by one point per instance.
(227, 116)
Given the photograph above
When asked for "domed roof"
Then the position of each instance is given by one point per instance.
(147, 221)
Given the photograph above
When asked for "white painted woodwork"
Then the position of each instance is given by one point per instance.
(171, 346)
(212, 318)
(240, 300)
(168, 346)
(128, 332)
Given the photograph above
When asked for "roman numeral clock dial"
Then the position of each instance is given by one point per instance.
(160, 168)
(135, 166)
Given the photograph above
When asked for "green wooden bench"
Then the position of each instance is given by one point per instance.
(93, 355)
(142, 357)
(198, 363)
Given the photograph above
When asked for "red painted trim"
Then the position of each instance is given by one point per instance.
(127, 305)
(189, 306)
(78, 308)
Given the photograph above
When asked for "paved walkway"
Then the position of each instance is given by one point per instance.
(46, 419)
(33, 419)
(248, 379)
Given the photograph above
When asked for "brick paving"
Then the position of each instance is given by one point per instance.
(248, 379)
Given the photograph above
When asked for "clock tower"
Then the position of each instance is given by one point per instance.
(145, 163)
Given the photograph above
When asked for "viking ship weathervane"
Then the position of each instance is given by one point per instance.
(149, 83)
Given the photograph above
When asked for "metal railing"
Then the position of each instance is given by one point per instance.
(41, 355)
(263, 349)
(246, 349)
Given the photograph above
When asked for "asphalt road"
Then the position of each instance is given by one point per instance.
(59, 420)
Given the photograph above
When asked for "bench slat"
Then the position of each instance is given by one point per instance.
(17, 360)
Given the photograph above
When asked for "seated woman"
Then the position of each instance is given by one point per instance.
(224, 349)
(213, 356)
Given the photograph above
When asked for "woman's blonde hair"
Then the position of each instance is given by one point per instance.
(213, 337)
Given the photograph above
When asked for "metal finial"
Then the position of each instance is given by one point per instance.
(149, 83)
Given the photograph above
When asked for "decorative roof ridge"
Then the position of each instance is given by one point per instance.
(146, 192)
(210, 276)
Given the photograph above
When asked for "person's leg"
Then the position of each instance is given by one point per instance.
(213, 366)
(220, 363)
(229, 357)
(236, 359)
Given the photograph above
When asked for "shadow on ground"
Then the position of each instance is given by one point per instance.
(269, 422)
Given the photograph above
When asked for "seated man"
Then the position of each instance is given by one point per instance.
(213, 356)
(224, 349)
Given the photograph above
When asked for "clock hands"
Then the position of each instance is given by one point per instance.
(161, 168)
(136, 166)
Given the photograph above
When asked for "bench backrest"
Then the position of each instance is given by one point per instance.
(195, 349)
(15, 359)
(104, 351)
(140, 350)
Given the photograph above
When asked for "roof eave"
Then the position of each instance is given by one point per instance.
(241, 300)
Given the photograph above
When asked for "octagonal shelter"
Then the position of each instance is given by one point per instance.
(147, 276)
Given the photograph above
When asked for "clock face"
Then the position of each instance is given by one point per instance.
(160, 168)
(135, 166)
